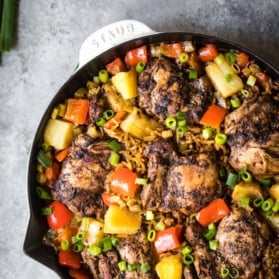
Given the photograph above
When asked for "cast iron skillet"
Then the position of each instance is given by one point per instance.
(37, 227)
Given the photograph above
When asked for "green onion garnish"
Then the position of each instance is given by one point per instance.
(246, 176)
(141, 181)
(251, 81)
(232, 179)
(151, 235)
(187, 259)
(228, 77)
(231, 57)
(234, 273)
(235, 102)
(64, 245)
(265, 182)
(114, 241)
(275, 207)
(43, 159)
(114, 145)
(224, 272)
(245, 201)
(145, 267)
(258, 202)
(133, 266)
(78, 247)
(103, 76)
(170, 122)
(114, 159)
(193, 74)
(140, 67)
(43, 193)
(213, 244)
(245, 93)
(267, 204)
(181, 115)
(186, 250)
(46, 210)
(108, 114)
(207, 133)
(94, 250)
(122, 266)
(100, 121)
(220, 138)
(183, 57)
(160, 226)
(181, 130)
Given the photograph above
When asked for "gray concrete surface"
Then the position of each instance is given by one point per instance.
(48, 37)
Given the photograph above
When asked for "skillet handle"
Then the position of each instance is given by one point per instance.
(109, 36)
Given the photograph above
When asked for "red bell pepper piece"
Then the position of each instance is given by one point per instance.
(208, 53)
(108, 199)
(214, 116)
(172, 50)
(116, 66)
(123, 182)
(134, 56)
(69, 258)
(168, 239)
(213, 212)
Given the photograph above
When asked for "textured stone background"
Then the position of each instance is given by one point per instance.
(49, 34)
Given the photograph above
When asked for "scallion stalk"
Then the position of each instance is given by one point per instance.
(7, 24)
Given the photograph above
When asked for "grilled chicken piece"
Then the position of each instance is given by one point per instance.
(161, 88)
(103, 266)
(82, 176)
(198, 98)
(241, 243)
(184, 184)
(135, 249)
(204, 263)
(253, 136)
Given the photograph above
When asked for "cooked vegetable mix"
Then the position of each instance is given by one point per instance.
(165, 165)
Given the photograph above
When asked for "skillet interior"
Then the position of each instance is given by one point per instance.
(37, 226)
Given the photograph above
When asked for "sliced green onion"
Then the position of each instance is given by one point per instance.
(181, 130)
(265, 182)
(114, 145)
(275, 207)
(43, 159)
(269, 213)
(7, 24)
(140, 67)
(224, 272)
(78, 247)
(64, 245)
(245, 201)
(80, 235)
(43, 193)
(141, 181)
(114, 241)
(62, 110)
(46, 147)
(46, 210)
(151, 235)
(100, 121)
(103, 76)
(267, 204)
(122, 266)
(181, 123)
(235, 102)
(245, 93)
(133, 266)
(181, 115)
(94, 250)
(232, 179)
(145, 267)
(114, 159)
(258, 202)
(231, 57)
(170, 122)
(234, 273)
(108, 114)
(183, 57)
(187, 259)
(74, 239)
(213, 244)
(228, 77)
(220, 138)
(220, 59)
(251, 81)
(186, 250)
(246, 176)
(106, 244)
(96, 80)
(40, 168)
(207, 132)
(193, 74)
(160, 226)
(210, 234)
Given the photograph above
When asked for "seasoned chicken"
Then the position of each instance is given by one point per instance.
(161, 88)
(178, 183)
(253, 136)
(82, 176)
(241, 241)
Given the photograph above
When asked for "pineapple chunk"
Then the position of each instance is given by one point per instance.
(169, 267)
(138, 124)
(274, 191)
(126, 84)
(246, 189)
(223, 77)
(120, 220)
(58, 133)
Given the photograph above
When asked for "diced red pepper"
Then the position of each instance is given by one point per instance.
(79, 273)
(123, 182)
(168, 239)
(213, 212)
(69, 258)
(208, 53)
(134, 56)
(108, 199)
(172, 50)
(116, 66)
(77, 110)
(52, 173)
(214, 116)
(242, 59)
